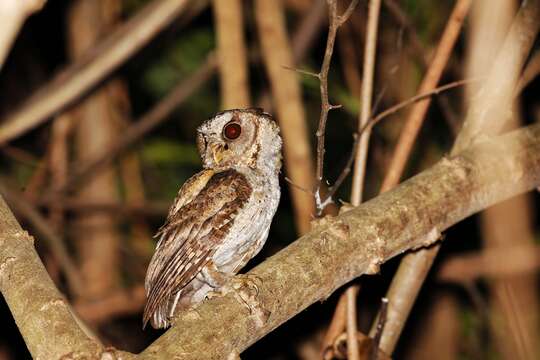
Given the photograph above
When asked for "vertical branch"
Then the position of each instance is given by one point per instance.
(287, 96)
(140, 237)
(363, 145)
(413, 268)
(361, 150)
(335, 21)
(365, 102)
(97, 236)
(231, 52)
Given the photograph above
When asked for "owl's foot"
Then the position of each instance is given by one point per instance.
(245, 281)
(245, 289)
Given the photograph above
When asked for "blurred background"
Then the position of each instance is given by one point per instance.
(94, 182)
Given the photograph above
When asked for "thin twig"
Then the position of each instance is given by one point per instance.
(335, 21)
(378, 118)
(395, 108)
(298, 186)
(345, 172)
(380, 327)
(353, 352)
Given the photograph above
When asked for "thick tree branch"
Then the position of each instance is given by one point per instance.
(357, 242)
(40, 311)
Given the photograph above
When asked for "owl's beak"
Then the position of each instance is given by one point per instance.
(217, 152)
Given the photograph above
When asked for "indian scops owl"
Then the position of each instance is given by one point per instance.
(221, 216)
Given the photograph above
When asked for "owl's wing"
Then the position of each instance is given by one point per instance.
(197, 224)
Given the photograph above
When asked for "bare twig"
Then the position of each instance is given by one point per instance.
(380, 327)
(375, 120)
(335, 21)
(351, 294)
(80, 77)
(395, 108)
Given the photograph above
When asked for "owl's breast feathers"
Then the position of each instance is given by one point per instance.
(197, 224)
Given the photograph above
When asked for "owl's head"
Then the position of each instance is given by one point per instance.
(240, 137)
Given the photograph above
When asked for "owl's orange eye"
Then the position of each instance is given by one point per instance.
(232, 131)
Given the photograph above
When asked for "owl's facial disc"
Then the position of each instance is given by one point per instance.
(235, 138)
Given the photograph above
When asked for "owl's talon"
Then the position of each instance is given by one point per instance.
(245, 289)
(241, 281)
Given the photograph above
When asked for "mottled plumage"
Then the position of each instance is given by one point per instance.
(221, 216)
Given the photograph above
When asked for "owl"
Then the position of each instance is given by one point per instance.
(221, 216)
